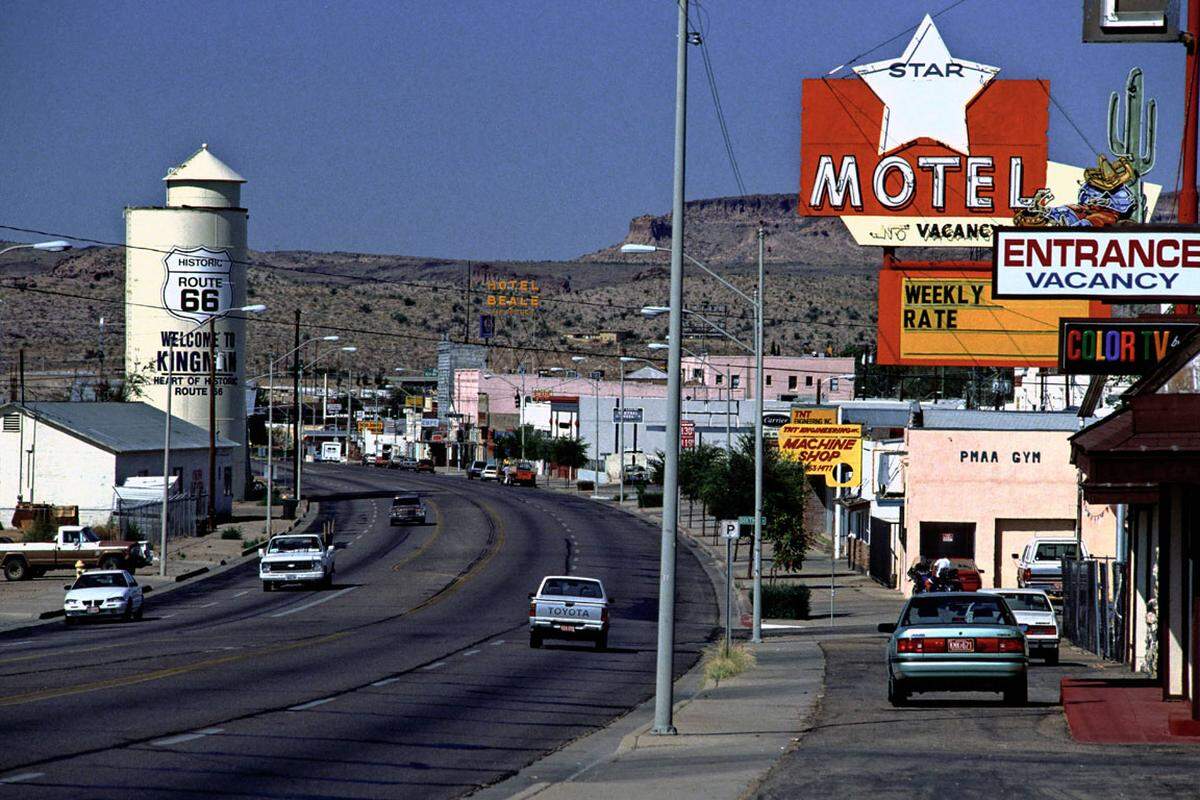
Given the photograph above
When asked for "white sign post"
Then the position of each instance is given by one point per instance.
(730, 531)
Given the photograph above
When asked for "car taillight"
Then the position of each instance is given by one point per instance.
(1026, 574)
(604, 615)
(1011, 646)
(533, 609)
(1042, 630)
(921, 646)
(987, 645)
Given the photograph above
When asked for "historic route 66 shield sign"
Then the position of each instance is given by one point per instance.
(198, 283)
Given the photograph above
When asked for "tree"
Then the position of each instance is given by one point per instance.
(657, 464)
(568, 452)
(694, 466)
(508, 444)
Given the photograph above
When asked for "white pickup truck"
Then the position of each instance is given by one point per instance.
(1039, 565)
(569, 607)
(295, 558)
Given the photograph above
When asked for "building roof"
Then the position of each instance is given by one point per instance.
(646, 373)
(876, 416)
(936, 418)
(203, 166)
(118, 427)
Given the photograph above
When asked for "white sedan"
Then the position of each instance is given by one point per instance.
(103, 593)
(1036, 616)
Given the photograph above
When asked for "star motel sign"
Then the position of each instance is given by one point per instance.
(926, 149)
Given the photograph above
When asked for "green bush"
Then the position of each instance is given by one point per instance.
(650, 499)
(231, 533)
(785, 601)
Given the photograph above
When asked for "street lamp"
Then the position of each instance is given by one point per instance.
(211, 320)
(756, 303)
(56, 246)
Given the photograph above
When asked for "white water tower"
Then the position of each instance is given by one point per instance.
(185, 262)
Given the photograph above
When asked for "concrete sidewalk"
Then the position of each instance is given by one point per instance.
(729, 736)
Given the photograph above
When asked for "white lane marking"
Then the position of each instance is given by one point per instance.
(312, 704)
(207, 605)
(499, 641)
(186, 737)
(242, 592)
(24, 776)
(317, 602)
(470, 653)
(434, 665)
(15, 644)
(385, 681)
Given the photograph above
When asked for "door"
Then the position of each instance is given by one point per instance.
(949, 539)
(1011, 537)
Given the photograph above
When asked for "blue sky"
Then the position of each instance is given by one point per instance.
(524, 129)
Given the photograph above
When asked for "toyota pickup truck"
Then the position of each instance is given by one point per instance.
(407, 509)
(22, 560)
(295, 558)
(1039, 565)
(568, 607)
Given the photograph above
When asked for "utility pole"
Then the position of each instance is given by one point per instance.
(212, 423)
(756, 627)
(296, 422)
(664, 673)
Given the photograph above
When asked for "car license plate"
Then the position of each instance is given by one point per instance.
(567, 628)
(291, 577)
(93, 610)
(961, 645)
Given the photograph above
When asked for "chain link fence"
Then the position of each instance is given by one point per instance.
(1093, 606)
(142, 519)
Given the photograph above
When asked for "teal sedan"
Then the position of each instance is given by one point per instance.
(956, 642)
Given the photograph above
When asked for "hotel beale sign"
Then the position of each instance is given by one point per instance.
(922, 150)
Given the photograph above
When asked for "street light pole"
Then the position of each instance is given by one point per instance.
(162, 543)
(270, 439)
(756, 628)
(664, 694)
(212, 423)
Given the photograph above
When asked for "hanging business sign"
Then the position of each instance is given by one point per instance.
(687, 434)
(950, 318)
(1133, 264)
(629, 415)
(1118, 346)
(814, 415)
(833, 452)
(925, 148)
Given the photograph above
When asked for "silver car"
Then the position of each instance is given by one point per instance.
(956, 642)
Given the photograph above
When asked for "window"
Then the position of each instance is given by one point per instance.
(767, 380)
(791, 381)
(70, 537)
(12, 423)
(228, 480)
(698, 374)
(833, 384)
(808, 380)
(720, 379)
(735, 381)
(1057, 551)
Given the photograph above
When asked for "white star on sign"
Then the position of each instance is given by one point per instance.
(925, 92)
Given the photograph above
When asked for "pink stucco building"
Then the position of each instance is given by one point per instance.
(784, 377)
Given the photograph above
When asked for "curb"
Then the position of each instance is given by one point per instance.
(191, 574)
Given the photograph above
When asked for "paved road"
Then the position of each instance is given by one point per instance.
(411, 677)
(959, 745)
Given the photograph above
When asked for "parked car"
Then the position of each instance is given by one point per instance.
(424, 465)
(103, 593)
(22, 560)
(1036, 617)
(569, 607)
(1039, 565)
(956, 642)
(331, 451)
(476, 470)
(404, 463)
(295, 558)
(636, 475)
(407, 508)
(490, 472)
(520, 473)
(969, 576)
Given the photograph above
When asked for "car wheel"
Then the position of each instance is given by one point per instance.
(1017, 694)
(1052, 658)
(602, 641)
(897, 696)
(141, 611)
(69, 621)
(267, 586)
(535, 640)
(127, 614)
(15, 569)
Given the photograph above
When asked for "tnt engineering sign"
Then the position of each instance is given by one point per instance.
(1158, 263)
(197, 284)
(832, 451)
(1118, 347)
(925, 146)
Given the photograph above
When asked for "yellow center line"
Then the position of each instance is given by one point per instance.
(59, 653)
(437, 531)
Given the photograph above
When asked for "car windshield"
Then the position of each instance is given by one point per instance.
(102, 581)
(571, 587)
(1020, 601)
(478, 465)
(1057, 551)
(957, 609)
(405, 500)
(524, 465)
(88, 535)
(292, 544)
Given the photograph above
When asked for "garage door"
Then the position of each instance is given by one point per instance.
(950, 539)
(1011, 537)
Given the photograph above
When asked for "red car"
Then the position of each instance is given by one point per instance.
(520, 473)
(969, 575)
(425, 465)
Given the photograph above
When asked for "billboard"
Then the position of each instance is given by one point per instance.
(817, 415)
(951, 318)
(1119, 346)
(687, 434)
(630, 414)
(833, 452)
(1119, 21)
(1146, 263)
(923, 143)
